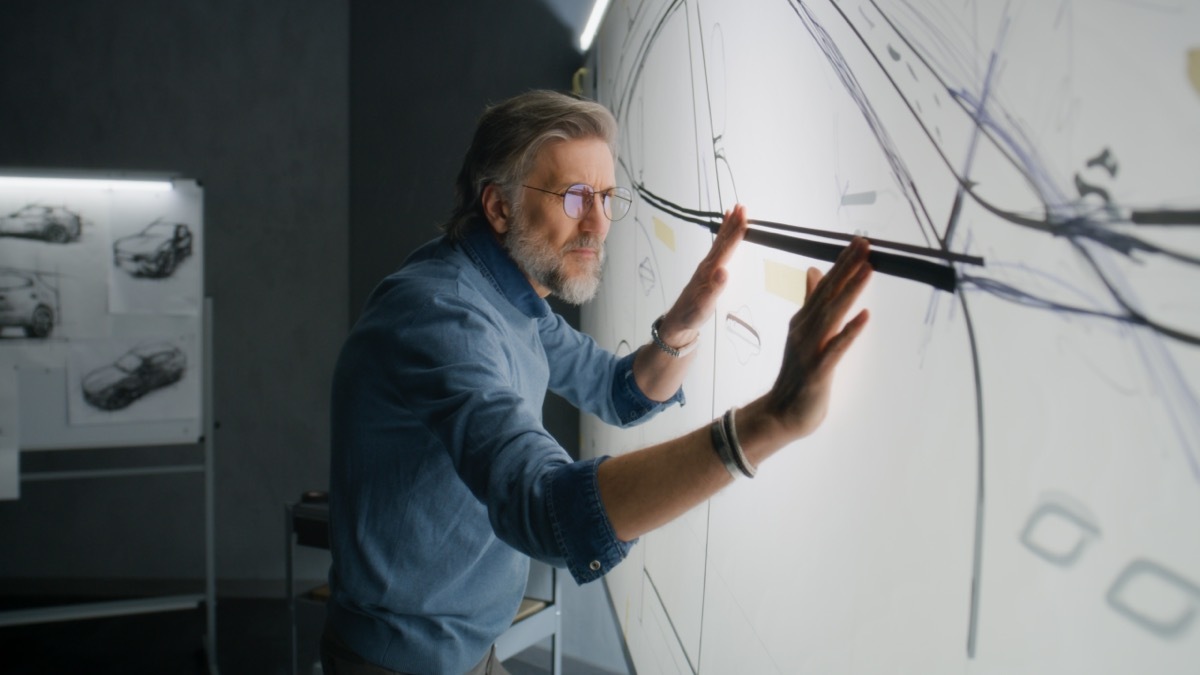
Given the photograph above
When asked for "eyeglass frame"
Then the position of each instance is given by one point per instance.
(590, 195)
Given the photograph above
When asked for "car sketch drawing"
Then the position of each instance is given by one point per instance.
(155, 251)
(27, 301)
(136, 373)
(55, 224)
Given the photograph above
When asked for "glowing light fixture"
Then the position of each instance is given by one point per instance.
(593, 25)
(54, 183)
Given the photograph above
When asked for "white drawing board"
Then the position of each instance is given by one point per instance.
(1009, 476)
(94, 279)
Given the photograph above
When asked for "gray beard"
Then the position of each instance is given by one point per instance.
(545, 265)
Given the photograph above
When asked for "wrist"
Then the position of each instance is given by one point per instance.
(676, 333)
(674, 341)
(679, 337)
(760, 432)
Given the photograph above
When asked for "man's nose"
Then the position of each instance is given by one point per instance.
(595, 221)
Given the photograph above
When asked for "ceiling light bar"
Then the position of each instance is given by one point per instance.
(593, 25)
(41, 182)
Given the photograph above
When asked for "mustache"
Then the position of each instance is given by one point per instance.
(584, 241)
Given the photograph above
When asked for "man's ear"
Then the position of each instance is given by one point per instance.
(496, 208)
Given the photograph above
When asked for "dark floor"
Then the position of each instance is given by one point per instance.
(252, 639)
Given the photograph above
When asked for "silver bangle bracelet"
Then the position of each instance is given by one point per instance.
(739, 455)
(721, 446)
(674, 352)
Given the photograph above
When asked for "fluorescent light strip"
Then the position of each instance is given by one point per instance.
(85, 184)
(593, 25)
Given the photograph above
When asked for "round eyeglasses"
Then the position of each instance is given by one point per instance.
(578, 198)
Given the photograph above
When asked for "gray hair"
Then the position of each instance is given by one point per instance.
(507, 141)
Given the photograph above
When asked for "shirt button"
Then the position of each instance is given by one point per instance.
(595, 565)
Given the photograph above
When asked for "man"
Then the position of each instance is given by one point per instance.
(444, 480)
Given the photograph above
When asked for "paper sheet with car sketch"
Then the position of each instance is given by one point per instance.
(156, 263)
(131, 379)
(101, 289)
(1009, 475)
(53, 250)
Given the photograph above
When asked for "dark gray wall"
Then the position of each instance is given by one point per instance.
(421, 74)
(251, 99)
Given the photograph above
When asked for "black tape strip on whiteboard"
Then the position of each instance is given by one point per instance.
(939, 275)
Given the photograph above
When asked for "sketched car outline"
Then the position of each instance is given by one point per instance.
(55, 224)
(136, 373)
(155, 251)
(26, 300)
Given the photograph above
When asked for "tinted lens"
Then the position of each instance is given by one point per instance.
(576, 200)
(617, 202)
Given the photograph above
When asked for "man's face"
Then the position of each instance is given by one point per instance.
(557, 253)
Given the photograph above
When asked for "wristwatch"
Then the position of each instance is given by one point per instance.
(679, 352)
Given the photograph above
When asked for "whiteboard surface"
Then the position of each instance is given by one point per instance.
(1009, 476)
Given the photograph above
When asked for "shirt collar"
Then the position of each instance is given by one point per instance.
(501, 270)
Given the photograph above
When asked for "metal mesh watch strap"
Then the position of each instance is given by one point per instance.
(675, 352)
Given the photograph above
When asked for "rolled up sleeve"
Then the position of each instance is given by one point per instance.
(596, 380)
(629, 401)
(581, 527)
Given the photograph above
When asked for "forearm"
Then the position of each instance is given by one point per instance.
(646, 489)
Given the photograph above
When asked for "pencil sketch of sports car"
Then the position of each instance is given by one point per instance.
(55, 224)
(27, 301)
(155, 251)
(138, 372)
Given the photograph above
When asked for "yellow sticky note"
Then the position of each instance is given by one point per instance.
(784, 280)
(664, 233)
(1194, 68)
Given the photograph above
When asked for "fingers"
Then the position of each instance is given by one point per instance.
(846, 269)
(811, 279)
(839, 304)
(733, 230)
(819, 323)
(840, 343)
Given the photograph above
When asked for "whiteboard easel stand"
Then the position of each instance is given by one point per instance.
(96, 610)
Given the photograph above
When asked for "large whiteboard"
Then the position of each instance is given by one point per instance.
(1009, 478)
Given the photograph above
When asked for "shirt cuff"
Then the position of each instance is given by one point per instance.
(631, 404)
(582, 530)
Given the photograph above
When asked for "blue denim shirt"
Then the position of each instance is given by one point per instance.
(443, 479)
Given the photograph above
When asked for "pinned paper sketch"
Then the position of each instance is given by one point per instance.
(29, 305)
(54, 224)
(135, 374)
(156, 257)
(52, 259)
(132, 379)
(154, 252)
